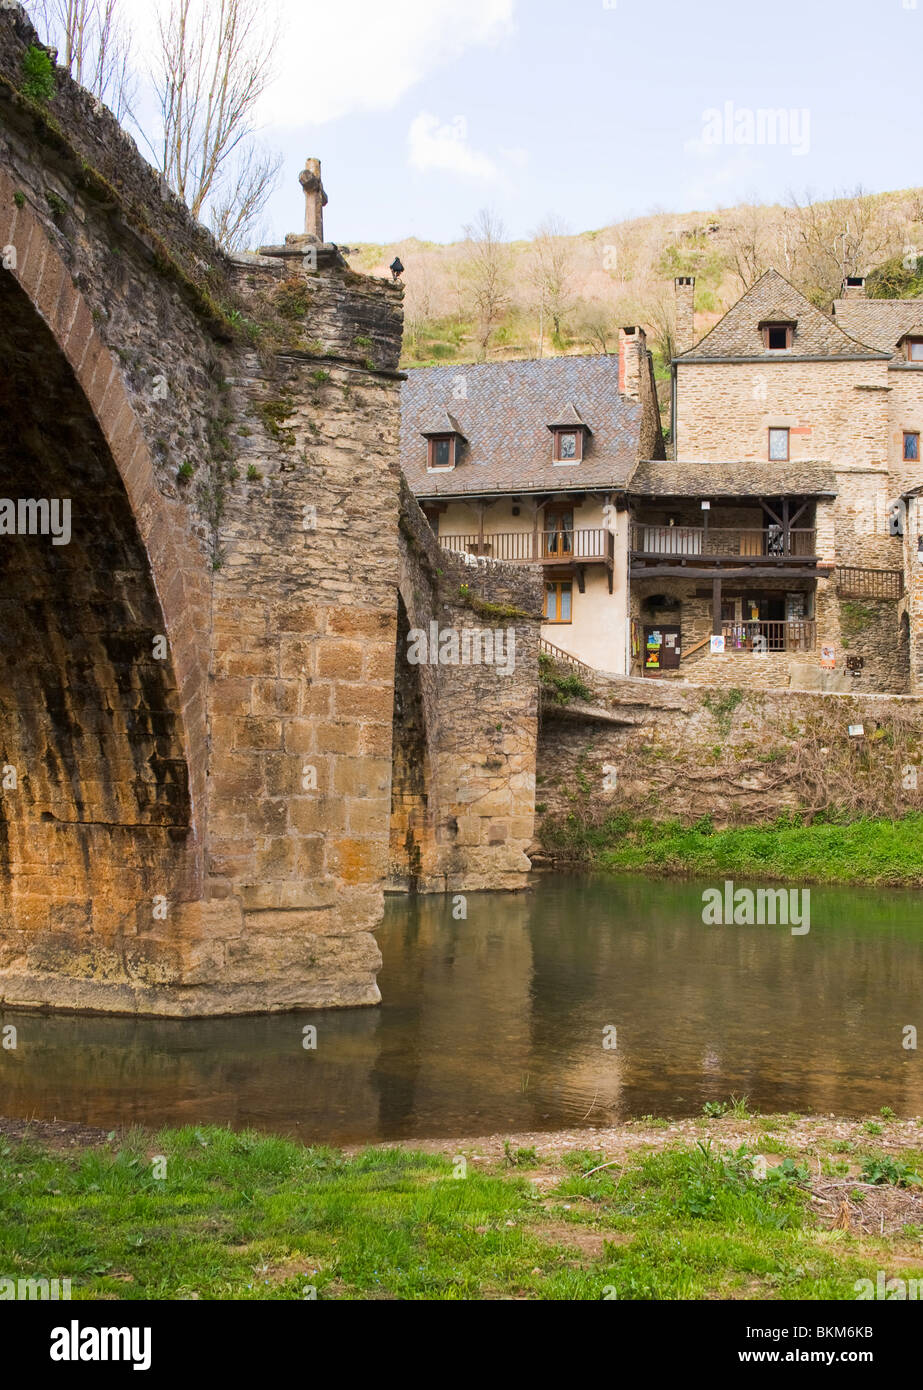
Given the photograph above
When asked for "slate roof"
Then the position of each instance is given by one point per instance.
(880, 322)
(657, 479)
(773, 299)
(504, 417)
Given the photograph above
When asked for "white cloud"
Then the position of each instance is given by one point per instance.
(335, 60)
(360, 55)
(434, 146)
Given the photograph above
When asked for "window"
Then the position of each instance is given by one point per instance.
(442, 451)
(778, 445)
(558, 602)
(559, 532)
(568, 446)
(915, 349)
(911, 446)
(777, 336)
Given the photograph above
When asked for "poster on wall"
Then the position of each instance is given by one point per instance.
(717, 644)
(828, 656)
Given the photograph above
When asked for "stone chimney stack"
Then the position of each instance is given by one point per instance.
(315, 200)
(632, 361)
(684, 289)
(854, 287)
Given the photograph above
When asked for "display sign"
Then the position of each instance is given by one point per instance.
(717, 645)
(828, 656)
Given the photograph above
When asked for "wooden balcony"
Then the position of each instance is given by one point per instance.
(680, 546)
(765, 636)
(559, 549)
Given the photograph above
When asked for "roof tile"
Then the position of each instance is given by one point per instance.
(504, 409)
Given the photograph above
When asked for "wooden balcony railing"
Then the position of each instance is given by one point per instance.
(720, 542)
(853, 581)
(769, 635)
(581, 546)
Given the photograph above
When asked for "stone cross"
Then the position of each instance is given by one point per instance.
(315, 199)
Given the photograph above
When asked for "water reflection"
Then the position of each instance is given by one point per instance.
(498, 1023)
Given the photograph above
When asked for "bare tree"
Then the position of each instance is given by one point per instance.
(419, 300)
(748, 248)
(94, 46)
(834, 239)
(660, 313)
(596, 322)
(214, 64)
(236, 207)
(486, 270)
(551, 273)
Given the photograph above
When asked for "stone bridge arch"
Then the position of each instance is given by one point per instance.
(103, 676)
(249, 512)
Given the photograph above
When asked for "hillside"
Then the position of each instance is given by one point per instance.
(569, 293)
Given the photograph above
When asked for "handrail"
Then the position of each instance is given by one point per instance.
(654, 539)
(697, 648)
(554, 546)
(559, 654)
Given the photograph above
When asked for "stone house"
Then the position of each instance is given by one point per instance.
(785, 525)
(528, 462)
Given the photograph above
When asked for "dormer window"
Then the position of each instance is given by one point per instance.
(777, 336)
(441, 451)
(568, 446)
(443, 443)
(915, 349)
(569, 433)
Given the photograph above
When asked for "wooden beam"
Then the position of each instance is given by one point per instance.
(758, 572)
(716, 605)
(766, 508)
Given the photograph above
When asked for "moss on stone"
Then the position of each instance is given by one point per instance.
(494, 612)
(273, 414)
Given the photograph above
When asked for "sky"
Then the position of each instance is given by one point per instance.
(424, 111)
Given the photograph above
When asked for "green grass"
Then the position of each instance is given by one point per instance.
(253, 1216)
(863, 851)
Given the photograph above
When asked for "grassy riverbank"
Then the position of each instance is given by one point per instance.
(680, 1211)
(886, 852)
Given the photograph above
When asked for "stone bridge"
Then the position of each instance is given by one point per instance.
(207, 561)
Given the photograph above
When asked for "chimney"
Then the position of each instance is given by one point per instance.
(315, 200)
(684, 289)
(632, 359)
(854, 287)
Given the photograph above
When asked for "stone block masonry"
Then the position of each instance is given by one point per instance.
(662, 751)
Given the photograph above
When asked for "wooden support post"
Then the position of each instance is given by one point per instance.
(786, 528)
(716, 606)
(480, 528)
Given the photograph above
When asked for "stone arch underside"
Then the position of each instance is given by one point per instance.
(99, 841)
